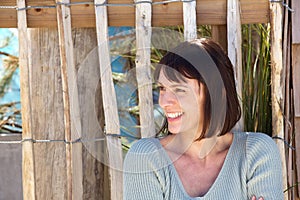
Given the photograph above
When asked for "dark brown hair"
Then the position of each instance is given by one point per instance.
(176, 63)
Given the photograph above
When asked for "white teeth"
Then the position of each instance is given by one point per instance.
(174, 115)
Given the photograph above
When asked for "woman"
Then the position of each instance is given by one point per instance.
(200, 157)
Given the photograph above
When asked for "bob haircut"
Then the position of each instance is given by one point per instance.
(172, 63)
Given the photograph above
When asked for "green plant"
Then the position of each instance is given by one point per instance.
(256, 78)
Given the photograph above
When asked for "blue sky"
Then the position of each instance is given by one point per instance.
(13, 92)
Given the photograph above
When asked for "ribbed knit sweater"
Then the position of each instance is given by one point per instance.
(252, 167)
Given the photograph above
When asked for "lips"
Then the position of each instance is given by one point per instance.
(173, 115)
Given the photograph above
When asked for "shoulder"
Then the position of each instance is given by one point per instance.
(145, 145)
(263, 165)
(144, 155)
(260, 143)
(261, 152)
(257, 147)
(255, 140)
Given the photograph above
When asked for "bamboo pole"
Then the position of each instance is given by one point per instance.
(112, 124)
(143, 68)
(71, 103)
(189, 20)
(234, 35)
(28, 176)
(277, 82)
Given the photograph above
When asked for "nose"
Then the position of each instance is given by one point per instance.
(167, 98)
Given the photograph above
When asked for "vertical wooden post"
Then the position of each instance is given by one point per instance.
(112, 124)
(95, 181)
(296, 81)
(235, 48)
(143, 68)
(219, 35)
(71, 102)
(296, 22)
(47, 114)
(189, 20)
(24, 63)
(277, 80)
(286, 43)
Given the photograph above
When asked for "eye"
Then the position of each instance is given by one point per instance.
(179, 90)
(161, 88)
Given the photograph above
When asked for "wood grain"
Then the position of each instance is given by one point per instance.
(296, 80)
(277, 83)
(219, 35)
(25, 57)
(297, 145)
(189, 21)
(47, 114)
(295, 22)
(143, 68)
(170, 14)
(234, 49)
(71, 112)
(47, 109)
(112, 124)
(95, 183)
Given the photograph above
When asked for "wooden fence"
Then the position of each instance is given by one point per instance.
(56, 36)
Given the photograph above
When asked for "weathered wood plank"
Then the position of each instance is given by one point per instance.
(277, 80)
(296, 80)
(297, 145)
(189, 20)
(50, 159)
(47, 109)
(71, 103)
(26, 109)
(296, 22)
(286, 43)
(143, 68)
(169, 14)
(95, 181)
(219, 35)
(234, 49)
(112, 124)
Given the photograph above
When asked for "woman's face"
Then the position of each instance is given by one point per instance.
(183, 104)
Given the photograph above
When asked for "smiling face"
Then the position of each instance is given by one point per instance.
(183, 104)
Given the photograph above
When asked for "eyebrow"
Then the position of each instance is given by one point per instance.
(173, 85)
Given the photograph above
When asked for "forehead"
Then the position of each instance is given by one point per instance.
(183, 81)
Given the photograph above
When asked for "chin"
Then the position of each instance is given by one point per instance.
(174, 131)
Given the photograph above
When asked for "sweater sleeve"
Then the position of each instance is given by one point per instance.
(264, 177)
(142, 176)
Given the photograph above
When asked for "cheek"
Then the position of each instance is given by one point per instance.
(159, 99)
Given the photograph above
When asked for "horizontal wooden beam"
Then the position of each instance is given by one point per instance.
(211, 12)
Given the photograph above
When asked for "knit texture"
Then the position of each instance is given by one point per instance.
(252, 167)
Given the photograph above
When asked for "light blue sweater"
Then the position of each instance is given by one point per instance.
(252, 167)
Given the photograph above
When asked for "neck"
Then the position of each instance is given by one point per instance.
(179, 145)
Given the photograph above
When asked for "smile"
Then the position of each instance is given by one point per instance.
(174, 115)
